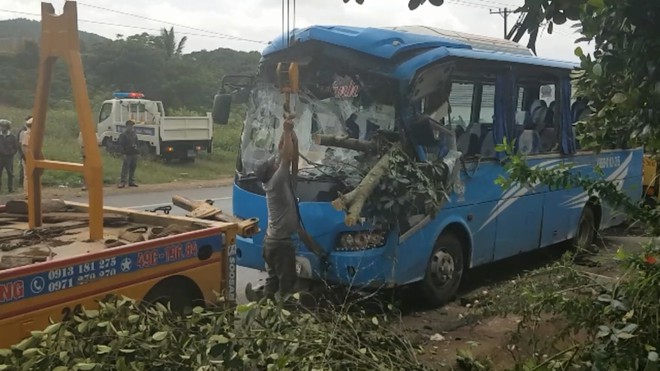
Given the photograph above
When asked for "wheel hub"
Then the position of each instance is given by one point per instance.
(442, 268)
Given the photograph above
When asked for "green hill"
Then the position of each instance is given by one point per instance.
(16, 31)
(138, 62)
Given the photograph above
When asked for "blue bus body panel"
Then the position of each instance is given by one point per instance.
(499, 222)
(373, 41)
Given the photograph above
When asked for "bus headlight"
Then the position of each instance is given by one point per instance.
(362, 240)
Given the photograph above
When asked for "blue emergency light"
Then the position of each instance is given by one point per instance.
(120, 95)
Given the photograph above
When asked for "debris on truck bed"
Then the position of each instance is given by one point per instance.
(65, 231)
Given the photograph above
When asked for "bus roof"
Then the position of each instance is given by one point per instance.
(387, 42)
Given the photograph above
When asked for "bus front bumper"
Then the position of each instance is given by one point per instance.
(368, 269)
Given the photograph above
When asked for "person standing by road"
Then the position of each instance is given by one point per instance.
(21, 156)
(128, 145)
(8, 149)
(25, 143)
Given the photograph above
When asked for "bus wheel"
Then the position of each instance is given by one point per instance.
(180, 299)
(444, 270)
(586, 230)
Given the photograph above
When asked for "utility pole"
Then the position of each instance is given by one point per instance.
(505, 14)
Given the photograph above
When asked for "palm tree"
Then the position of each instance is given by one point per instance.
(167, 42)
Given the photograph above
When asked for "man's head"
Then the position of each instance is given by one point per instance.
(28, 121)
(129, 125)
(265, 169)
(5, 125)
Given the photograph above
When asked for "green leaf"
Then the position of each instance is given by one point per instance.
(221, 339)
(159, 336)
(597, 3)
(84, 366)
(624, 335)
(198, 310)
(597, 69)
(619, 98)
(579, 52)
(103, 349)
(53, 328)
(126, 350)
(30, 352)
(5, 352)
(374, 320)
(61, 368)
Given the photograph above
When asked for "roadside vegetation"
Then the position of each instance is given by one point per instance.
(61, 143)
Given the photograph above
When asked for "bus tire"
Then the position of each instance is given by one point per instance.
(444, 270)
(180, 296)
(586, 230)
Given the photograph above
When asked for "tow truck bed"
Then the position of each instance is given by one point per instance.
(65, 234)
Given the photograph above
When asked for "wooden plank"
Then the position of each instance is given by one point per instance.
(15, 261)
(144, 217)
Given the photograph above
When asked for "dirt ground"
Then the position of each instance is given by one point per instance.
(442, 332)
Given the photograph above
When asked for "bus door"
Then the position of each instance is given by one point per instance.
(472, 104)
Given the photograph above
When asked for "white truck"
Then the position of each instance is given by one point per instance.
(175, 137)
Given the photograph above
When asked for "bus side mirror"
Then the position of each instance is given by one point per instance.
(221, 108)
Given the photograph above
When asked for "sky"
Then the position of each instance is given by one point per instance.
(249, 24)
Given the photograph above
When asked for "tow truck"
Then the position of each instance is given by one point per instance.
(166, 137)
(58, 258)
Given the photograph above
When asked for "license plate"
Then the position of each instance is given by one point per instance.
(191, 153)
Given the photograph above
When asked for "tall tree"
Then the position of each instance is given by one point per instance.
(167, 41)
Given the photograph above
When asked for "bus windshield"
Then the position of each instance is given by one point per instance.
(342, 105)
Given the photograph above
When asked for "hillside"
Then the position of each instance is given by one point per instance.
(138, 62)
(15, 31)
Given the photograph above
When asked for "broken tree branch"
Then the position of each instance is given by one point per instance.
(345, 142)
(353, 202)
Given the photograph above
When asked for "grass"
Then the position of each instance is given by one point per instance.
(61, 143)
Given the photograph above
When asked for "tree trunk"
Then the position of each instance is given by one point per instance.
(353, 202)
(345, 142)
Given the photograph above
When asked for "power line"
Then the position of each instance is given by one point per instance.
(170, 23)
(137, 27)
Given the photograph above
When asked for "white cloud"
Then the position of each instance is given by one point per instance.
(261, 19)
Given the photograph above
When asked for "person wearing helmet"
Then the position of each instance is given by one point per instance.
(25, 142)
(21, 155)
(8, 149)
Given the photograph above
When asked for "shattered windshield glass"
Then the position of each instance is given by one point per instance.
(340, 112)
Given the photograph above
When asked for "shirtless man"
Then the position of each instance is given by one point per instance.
(279, 252)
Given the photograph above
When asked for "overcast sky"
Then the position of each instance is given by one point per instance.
(261, 20)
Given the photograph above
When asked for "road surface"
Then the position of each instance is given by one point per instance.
(150, 200)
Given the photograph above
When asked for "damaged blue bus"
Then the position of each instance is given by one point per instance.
(480, 90)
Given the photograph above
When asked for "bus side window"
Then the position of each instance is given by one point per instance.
(476, 138)
(538, 118)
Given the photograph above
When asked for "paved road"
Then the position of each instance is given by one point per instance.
(151, 200)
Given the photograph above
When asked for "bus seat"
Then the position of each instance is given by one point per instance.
(538, 112)
(529, 142)
(521, 117)
(548, 139)
(469, 141)
(488, 146)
